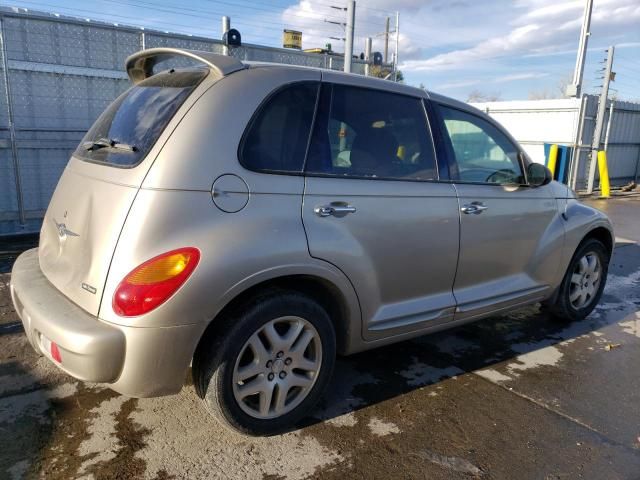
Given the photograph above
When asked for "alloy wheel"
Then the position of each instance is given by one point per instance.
(277, 367)
(585, 280)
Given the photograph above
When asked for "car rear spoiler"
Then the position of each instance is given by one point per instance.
(140, 65)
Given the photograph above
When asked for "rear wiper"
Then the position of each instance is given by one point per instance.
(108, 143)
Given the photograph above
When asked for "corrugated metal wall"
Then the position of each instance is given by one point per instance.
(63, 73)
(534, 123)
(571, 122)
(623, 142)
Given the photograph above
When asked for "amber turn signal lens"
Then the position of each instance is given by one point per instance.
(152, 283)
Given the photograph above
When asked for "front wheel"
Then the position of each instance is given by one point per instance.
(270, 366)
(583, 282)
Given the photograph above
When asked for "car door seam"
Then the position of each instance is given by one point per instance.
(455, 274)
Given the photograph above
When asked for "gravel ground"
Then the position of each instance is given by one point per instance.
(515, 396)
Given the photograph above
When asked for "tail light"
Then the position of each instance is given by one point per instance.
(152, 283)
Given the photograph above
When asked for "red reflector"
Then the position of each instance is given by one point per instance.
(55, 352)
(152, 283)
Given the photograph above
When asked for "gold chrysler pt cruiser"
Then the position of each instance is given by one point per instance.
(253, 221)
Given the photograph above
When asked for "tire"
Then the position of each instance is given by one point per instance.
(262, 348)
(576, 300)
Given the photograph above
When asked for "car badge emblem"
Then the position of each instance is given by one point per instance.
(63, 231)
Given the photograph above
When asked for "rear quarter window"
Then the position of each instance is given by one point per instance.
(125, 132)
(276, 138)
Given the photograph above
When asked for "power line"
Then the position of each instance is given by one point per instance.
(188, 28)
(273, 28)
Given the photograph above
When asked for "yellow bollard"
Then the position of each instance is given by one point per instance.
(605, 188)
(553, 158)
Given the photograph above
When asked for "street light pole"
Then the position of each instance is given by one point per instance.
(226, 25)
(602, 109)
(348, 48)
(386, 40)
(395, 63)
(574, 90)
(367, 55)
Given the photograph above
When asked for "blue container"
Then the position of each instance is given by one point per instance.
(562, 162)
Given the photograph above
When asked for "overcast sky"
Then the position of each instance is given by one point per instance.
(500, 47)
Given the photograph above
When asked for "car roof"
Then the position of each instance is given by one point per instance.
(351, 78)
(140, 66)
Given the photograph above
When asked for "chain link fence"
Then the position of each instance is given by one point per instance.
(57, 74)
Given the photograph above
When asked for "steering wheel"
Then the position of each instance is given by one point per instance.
(505, 175)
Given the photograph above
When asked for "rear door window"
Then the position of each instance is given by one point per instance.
(277, 137)
(125, 132)
(367, 133)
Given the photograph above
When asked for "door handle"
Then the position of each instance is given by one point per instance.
(337, 210)
(475, 208)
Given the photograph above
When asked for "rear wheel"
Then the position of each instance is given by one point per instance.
(583, 282)
(269, 366)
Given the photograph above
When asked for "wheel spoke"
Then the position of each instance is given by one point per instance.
(584, 264)
(260, 352)
(593, 263)
(248, 371)
(274, 338)
(266, 397)
(302, 363)
(582, 299)
(293, 334)
(575, 294)
(303, 342)
(296, 380)
(576, 279)
(281, 396)
(257, 385)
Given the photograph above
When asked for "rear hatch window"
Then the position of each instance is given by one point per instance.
(125, 132)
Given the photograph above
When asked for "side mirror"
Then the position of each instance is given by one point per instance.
(538, 175)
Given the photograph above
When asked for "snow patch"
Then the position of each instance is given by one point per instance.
(547, 356)
(185, 442)
(346, 420)
(632, 327)
(381, 428)
(493, 375)
(617, 282)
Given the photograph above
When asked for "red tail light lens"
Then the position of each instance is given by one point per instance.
(152, 283)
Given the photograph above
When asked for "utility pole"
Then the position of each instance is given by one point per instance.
(395, 64)
(386, 41)
(367, 55)
(226, 25)
(348, 47)
(574, 90)
(602, 108)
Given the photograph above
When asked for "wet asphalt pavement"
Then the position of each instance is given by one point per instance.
(515, 396)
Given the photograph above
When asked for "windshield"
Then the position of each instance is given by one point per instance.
(128, 128)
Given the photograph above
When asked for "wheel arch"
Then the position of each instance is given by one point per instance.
(602, 234)
(342, 307)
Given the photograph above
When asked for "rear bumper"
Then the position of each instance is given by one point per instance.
(139, 362)
(90, 349)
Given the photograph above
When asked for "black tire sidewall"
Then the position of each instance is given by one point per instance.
(217, 363)
(563, 307)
